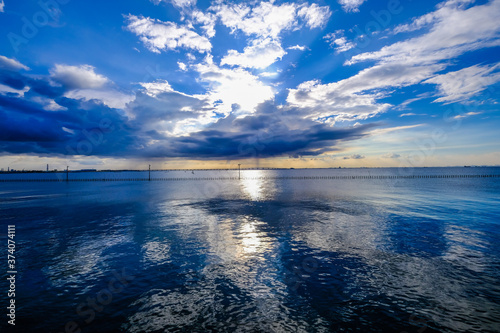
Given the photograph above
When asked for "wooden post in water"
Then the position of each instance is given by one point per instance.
(239, 171)
(67, 173)
(149, 178)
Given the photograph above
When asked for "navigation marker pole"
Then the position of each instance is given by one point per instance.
(149, 172)
(239, 171)
(67, 173)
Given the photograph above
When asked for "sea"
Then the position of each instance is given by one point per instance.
(301, 250)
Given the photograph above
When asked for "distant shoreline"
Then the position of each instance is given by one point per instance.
(235, 169)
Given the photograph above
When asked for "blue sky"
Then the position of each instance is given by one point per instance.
(186, 83)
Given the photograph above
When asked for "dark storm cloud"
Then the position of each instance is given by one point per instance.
(84, 128)
(254, 123)
(26, 129)
(43, 88)
(92, 128)
(15, 108)
(38, 86)
(12, 79)
(265, 134)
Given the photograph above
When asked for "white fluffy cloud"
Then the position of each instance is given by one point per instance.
(260, 54)
(184, 3)
(297, 47)
(351, 5)
(338, 41)
(110, 97)
(153, 89)
(160, 36)
(160, 109)
(342, 44)
(19, 92)
(444, 9)
(463, 84)
(264, 24)
(335, 100)
(314, 15)
(48, 103)
(356, 97)
(268, 19)
(11, 64)
(78, 77)
(468, 114)
(182, 66)
(453, 30)
(268, 74)
(2, 5)
(85, 84)
(206, 20)
(265, 20)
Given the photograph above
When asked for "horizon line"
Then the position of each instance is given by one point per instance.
(236, 169)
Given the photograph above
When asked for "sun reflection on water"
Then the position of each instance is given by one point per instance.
(251, 240)
(253, 184)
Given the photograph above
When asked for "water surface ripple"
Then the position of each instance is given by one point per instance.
(259, 254)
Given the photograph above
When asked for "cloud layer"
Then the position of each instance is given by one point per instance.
(244, 80)
(160, 36)
(11, 64)
(78, 77)
(351, 5)
(150, 129)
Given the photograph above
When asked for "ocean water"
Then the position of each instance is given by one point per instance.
(269, 252)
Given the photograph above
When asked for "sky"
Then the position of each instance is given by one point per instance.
(213, 84)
